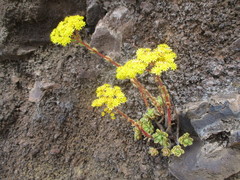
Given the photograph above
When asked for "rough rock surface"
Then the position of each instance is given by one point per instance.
(215, 153)
(221, 114)
(112, 30)
(61, 136)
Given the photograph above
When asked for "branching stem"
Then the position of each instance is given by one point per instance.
(148, 94)
(134, 123)
(166, 100)
(78, 39)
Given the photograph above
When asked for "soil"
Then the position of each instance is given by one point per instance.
(60, 136)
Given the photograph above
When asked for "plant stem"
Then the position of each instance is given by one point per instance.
(134, 123)
(166, 100)
(77, 39)
(153, 99)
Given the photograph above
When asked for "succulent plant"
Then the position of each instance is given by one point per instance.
(177, 151)
(147, 125)
(166, 152)
(153, 151)
(185, 140)
(137, 134)
(161, 138)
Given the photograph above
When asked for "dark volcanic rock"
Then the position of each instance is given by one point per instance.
(216, 154)
(221, 114)
(95, 12)
(205, 36)
(206, 161)
(111, 30)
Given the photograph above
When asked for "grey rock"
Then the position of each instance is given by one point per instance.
(236, 45)
(146, 7)
(111, 30)
(214, 153)
(209, 161)
(36, 94)
(25, 50)
(220, 114)
(3, 34)
(130, 1)
(1, 75)
(15, 79)
(234, 139)
(95, 12)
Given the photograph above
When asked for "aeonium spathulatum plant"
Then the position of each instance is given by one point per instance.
(156, 123)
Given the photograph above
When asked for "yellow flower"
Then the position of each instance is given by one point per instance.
(63, 32)
(131, 69)
(109, 96)
(157, 61)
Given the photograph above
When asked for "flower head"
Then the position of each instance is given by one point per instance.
(131, 69)
(63, 32)
(157, 61)
(109, 96)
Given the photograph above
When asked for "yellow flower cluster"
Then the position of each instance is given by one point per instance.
(131, 69)
(157, 60)
(63, 32)
(109, 96)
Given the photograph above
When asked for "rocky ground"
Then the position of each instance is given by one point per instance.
(48, 129)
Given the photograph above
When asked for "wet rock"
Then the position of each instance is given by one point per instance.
(111, 30)
(206, 162)
(221, 114)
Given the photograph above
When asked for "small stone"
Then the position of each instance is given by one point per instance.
(236, 45)
(25, 50)
(15, 79)
(1, 75)
(147, 7)
(36, 94)
(55, 151)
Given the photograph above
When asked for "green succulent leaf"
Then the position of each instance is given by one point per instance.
(151, 113)
(137, 134)
(161, 138)
(159, 100)
(153, 151)
(166, 152)
(147, 125)
(177, 151)
(185, 140)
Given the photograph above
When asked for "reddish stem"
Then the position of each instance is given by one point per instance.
(134, 123)
(153, 99)
(78, 40)
(166, 96)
